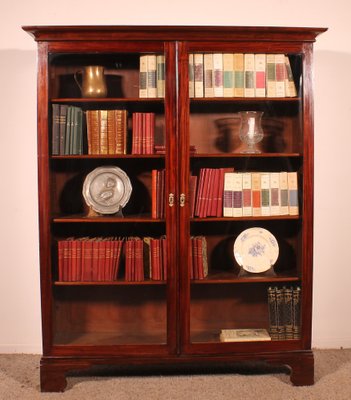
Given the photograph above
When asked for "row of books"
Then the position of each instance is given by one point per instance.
(240, 75)
(198, 257)
(107, 131)
(67, 130)
(284, 306)
(220, 192)
(143, 133)
(145, 258)
(152, 76)
(89, 259)
(96, 259)
(260, 193)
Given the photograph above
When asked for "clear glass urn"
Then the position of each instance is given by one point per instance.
(251, 131)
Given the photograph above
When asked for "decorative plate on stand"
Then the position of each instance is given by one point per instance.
(256, 250)
(106, 190)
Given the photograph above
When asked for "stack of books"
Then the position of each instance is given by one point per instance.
(152, 76)
(107, 131)
(240, 75)
(67, 130)
(89, 259)
(284, 306)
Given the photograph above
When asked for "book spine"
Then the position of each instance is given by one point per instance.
(199, 74)
(228, 194)
(143, 76)
(256, 194)
(218, 74)
(270, 76)
(273, 313)
(160, 75)
(208, 75)
(239, 80)
(191, 76)
(249, 65)
(260, 75)
(265, 194)
(290, 88)
(274, 193)
(238, 194)
(293, 193)
(247, 195)
(280, 72)
(283, 185)
(55, 141)
(228, 75)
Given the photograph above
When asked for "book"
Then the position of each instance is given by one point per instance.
(265, 194)
(247, 194)
(275, 193)
(270, 76)
(151, 76)
(208, 75)
(218, 74)
(237, 194)
(256, 194)
(228, 195)
(191, 76)
(283, 185)
(143, 76)
(290, 88)
(244, 335)
(280, 73)
(160, 75)
(260, 75)
(293, 194)
(199, 74)
(228, 75)
(239, 80)
(249, 67)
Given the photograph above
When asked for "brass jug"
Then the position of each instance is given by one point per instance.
(93, 81)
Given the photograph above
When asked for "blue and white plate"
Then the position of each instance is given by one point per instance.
(256, 250)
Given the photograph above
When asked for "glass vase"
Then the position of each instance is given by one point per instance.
(251, 131)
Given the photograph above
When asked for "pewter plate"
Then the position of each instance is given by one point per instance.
(107, 189)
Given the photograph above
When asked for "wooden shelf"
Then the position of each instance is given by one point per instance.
(230, 278)
(109, 338)
(106, 219)
(243, 155)
(107, 100)
(110, 283)
(258, 218)
(109, 156)
(244, 99)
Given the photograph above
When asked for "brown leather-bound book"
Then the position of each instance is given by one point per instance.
(93, 130)
(87, 249)
(154, 174)
(103, 132)
(164, 257)
(192, 194)
(111, 131)
(199, 193)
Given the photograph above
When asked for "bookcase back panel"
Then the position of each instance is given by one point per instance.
(110, 315)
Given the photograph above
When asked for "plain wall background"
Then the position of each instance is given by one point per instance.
(20, 326)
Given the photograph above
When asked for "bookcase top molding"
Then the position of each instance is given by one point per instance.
(162, 33)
